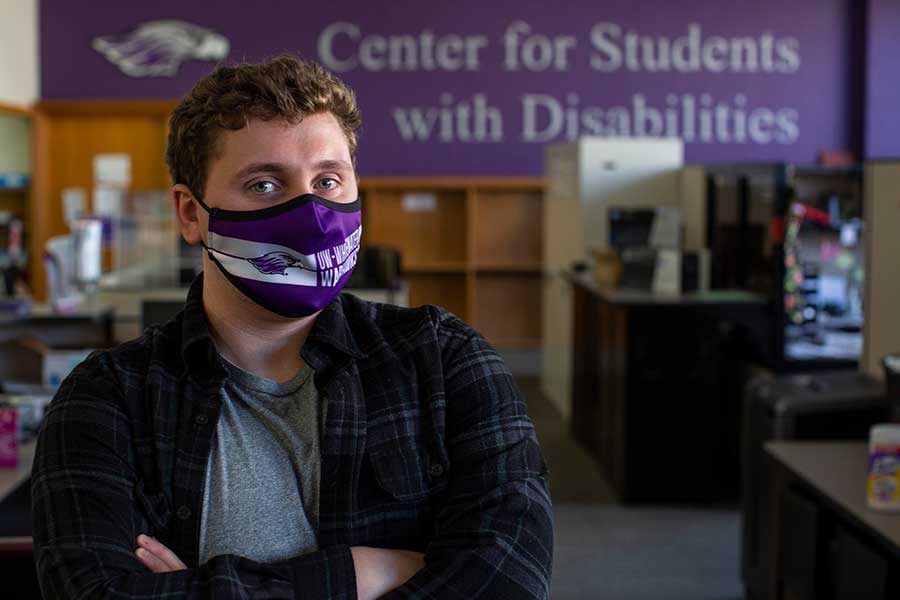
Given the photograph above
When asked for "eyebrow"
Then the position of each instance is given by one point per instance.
(253, 168)
(333, 165)
(273, 167)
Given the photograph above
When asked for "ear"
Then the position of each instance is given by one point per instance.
(192, 220)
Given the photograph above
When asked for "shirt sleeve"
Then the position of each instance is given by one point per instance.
(493, 537)
(86, 517)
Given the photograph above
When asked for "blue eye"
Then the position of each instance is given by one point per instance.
(263, 187)
(326, 179)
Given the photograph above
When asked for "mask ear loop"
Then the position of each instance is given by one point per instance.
(209, 211)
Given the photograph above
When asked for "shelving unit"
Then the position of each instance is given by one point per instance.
(15, 176)
(474, 247)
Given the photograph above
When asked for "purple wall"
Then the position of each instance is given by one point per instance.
(882, 122)
(764, 80)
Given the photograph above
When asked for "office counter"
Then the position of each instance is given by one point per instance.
(656, 386)
(88, 326)
(821, 539)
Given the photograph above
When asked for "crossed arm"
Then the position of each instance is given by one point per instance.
(378, 570)
(491, 538)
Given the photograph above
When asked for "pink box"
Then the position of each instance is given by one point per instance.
(9, 438)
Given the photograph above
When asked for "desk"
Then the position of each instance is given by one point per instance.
(821, 539)
(656, 386)
(88, 326)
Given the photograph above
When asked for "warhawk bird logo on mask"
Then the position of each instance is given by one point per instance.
(276, 262)
(157, 48)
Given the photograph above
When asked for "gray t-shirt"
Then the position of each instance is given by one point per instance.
(262, 480)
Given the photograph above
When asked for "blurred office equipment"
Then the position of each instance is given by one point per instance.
(377, 267)
(835, 405)
(796, 235)
(577, 199)
(585, 180)
(73, 265)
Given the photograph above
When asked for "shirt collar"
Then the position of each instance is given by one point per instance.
(331, 329)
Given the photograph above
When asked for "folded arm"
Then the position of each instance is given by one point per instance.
(87, 517)
(493, 537)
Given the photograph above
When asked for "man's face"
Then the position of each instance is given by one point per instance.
(269, 162)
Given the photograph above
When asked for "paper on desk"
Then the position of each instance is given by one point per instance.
(666, 229)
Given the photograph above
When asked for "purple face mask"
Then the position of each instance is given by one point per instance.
(292, 258)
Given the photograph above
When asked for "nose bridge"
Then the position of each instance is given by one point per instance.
(300, 180)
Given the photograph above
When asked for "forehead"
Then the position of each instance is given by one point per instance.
(315, 138)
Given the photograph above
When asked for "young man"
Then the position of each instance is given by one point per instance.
(278, 439)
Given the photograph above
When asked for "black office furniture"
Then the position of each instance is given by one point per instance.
(824, 405)
(820, 540)
(656, 387)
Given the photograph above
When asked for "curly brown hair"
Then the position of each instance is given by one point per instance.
(231, 96)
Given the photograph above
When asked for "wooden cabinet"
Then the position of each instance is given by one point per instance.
(471, 245)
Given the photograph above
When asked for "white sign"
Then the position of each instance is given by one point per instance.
(419, 202)
(112, 170)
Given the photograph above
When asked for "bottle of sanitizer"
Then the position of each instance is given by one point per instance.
(883, 487)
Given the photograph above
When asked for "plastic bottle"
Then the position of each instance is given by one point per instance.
(883, 489)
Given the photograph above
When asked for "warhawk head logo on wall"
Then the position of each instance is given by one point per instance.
(158, 48)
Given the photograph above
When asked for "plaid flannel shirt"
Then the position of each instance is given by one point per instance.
(427, 446)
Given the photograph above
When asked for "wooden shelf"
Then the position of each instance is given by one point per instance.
(477, 250)
(524, 268)
(453, 183)
(508, 309)
(423, 237)
(436, 267)
(446, 290)
(506, 227)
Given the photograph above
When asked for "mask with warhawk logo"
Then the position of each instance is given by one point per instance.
(292, 258)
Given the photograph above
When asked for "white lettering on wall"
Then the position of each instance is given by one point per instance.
(611, 48)
(423, 51)
(614, 49)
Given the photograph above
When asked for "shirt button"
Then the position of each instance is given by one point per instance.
(184, 512)
(436, 470)
(201, 419)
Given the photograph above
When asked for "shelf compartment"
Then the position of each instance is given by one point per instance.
(427, 237)
(508, 309)
(507, 227)
(434, 267)
(510, 267)
(446, 290)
